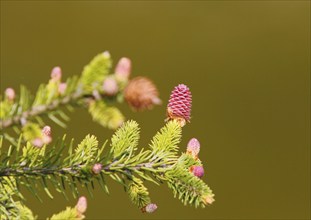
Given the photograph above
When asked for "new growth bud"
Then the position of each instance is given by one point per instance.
(193, 147)
(208, 200)
(56, 73)
(97, 168)
(179, 105)
(10, 94)
(81, 205)
(123, 68)
(110, 86)
(198, 171)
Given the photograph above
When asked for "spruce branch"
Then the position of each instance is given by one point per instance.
(123, 163)
(97, 89)
(38, 164)
(26, 112)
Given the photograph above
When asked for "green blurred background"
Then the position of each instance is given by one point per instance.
(246, 62)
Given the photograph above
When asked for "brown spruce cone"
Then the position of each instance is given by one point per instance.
(141, 94)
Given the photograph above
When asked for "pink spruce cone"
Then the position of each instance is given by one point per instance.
(179, 105)
(197, 171)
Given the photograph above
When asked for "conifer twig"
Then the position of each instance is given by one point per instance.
(36, 163)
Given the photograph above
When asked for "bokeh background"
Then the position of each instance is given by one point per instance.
(247, 64)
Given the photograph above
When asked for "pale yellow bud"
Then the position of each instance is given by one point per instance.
(81, 205)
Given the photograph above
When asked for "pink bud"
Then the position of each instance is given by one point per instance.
(46, 134)
(46, 130)
(81, 205)
(37, 142)
(97, 168)
(62, 88)
(150, 208)
(110, 86)
(197, 171)
(10, 94)
(123, 68)
(193, 147)
(56, 73)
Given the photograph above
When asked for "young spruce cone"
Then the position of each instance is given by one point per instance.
(141, 94)
(179, 105)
